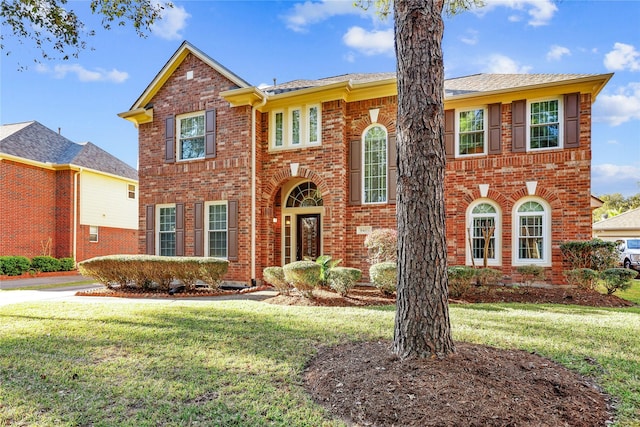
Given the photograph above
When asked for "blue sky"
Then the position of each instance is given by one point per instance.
(288, 40)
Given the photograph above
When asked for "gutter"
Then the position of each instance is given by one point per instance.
(76, 176)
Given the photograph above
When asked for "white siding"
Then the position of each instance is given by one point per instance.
(104, 201)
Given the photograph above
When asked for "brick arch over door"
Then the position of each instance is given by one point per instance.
(283, 175)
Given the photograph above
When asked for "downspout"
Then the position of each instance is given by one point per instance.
(76, 176)
(253, 189)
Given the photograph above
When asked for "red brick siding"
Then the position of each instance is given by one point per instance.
(111, 241)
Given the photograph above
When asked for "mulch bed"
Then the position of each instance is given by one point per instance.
(146, 293)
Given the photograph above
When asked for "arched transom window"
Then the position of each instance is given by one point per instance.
(304, 195)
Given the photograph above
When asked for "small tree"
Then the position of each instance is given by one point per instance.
(382, 245)
(585, 278)
(595, 254)
(617, 278)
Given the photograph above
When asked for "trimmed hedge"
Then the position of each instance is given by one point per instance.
(303, 275)
(384, 276)
(150, 271)
(275, 277)
(595, 254)
(343, 279)
(14, 265)
(45, 264)
(585, 278)
(460, 279)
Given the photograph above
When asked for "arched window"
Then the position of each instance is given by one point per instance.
(375, 164)
(532, 236)
(484, 233)
(304, 195)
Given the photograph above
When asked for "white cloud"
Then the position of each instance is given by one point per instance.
(620, 107)
(470, 37)
(608, 178)
(500, 64)
(557, 52)
(308, 13)
(370, 42)
(540, 11)
(622, 57)
(83, 74)
(173, 20)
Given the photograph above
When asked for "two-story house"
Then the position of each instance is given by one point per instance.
(63, 199)
(266, 176)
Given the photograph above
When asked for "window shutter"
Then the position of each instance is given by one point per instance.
(572, 120)
(210, 133)
(150, 230)
(392, 168)
(198, 229)
(355, 172)
(495, 128)
(232, 230)
(519, 126)
(449, 133)
(170, 139)
(179, 229)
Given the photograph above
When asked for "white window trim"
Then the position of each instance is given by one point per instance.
(177, 136)
(157, 226)
(362, 154)
(97, 233)
(497, 234)
(560, 123)
(485, 124)
(207, 229)
(287, 127)
(545, 261)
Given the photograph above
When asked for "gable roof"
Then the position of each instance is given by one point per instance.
(36, 142)
(629, 220)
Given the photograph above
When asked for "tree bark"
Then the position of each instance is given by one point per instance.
(422, 327)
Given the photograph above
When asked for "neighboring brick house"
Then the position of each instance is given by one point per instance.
(265, 176)
(62, 198)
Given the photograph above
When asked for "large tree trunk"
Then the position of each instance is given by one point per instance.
(422, 326)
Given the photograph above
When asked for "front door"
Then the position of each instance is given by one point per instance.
(308, 237)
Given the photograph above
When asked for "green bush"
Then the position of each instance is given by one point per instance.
(584, 278)
(384, 276)
(617, 278)
(382, 245)
(14, 265)
(45, 264)
(531, 273)
(488, 276)
(343, 279)
(144, 271)
(595, 254)
(303, 275)
(67, 264)
(460, 279)
(275, 277)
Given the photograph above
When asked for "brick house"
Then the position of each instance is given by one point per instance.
(63, 199)
(265, 176)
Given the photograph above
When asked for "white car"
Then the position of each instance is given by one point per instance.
(629, 253)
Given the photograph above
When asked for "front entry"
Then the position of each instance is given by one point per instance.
(308, 236)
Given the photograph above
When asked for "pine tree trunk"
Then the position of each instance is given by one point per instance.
(422, 327)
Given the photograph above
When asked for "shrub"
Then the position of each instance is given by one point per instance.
(14, 265)
(45, 264)
(275, 277)
(67, 264)
(384, 276)
(530, 273)
(146, 270)
(460, 279)
(303, 275)
(595, 254)
(488, 276)
(617, 278)
(382, 245)
(343, 279)
(326, 264)
(585, 278)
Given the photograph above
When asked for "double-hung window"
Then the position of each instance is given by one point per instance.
(167, 230)
(532, 244)
(93, 233)
(484, 230)
(217, 229)
(545, 124)
(191, 135)
(375, 164)
(295, 127)
(471, 126)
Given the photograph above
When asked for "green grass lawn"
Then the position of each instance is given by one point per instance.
(631, 294)
(239, 363)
